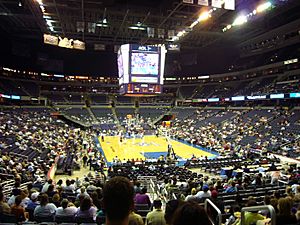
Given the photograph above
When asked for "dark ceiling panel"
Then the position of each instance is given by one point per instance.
(26, 19)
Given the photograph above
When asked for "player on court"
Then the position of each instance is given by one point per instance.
(142, 137)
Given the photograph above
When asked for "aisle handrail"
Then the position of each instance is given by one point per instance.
(209, 202)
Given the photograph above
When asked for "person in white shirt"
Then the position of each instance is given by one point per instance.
(46, 185)
(45, 208)
(205, 193)
(82, 193)
(66, 209)
(192, 196)
(15, 193)
(69, 186)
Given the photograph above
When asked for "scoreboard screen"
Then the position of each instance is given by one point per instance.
(144, 63)
(141, 69)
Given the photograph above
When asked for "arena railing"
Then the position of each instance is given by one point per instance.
(174, 196)
(8, 187)
(208, 203)
(153, 190)
(164, 195)
(52, 170)
(259, 208)
(283, 182)
(144, 180)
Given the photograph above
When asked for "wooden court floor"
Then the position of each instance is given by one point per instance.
(149, 147)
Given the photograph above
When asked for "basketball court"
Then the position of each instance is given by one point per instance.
(150, 147)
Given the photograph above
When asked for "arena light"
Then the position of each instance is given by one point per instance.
(213, 99)
(137, 28)
(203, 77)
(58, 75)
(101, 25)
(16, 97)
(277, 96)
(170, 78)
(238, 98)
(181, 33)
(204, 16)
(194, 24)
(6, 96)
(240, 20)
(290, 61)
(256, 97)
(295, 95)
(263, 7)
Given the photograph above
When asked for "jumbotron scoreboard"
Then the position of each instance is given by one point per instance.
(141, 69)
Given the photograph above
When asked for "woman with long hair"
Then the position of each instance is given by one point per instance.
(285, 215)
(87, 208)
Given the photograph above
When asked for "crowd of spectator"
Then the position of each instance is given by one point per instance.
(267, 130)
(31, 142)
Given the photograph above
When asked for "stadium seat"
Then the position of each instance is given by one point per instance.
(64, 219)
(139, 207)
(143, 213)
(41, 219)
(79, 219)
(30, 213)
(7, 218)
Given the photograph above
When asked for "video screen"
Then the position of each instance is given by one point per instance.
(144, 63)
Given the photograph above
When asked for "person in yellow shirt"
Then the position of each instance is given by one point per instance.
(157, 216)
(4, 207)
(252, 217)
(135, 219)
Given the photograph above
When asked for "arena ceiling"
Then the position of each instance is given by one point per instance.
(110, 20)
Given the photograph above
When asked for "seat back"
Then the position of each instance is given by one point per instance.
(64, 219)
(100, 220)
(141, 207)
(143, 213)
(30, 213)
(8, 218)
(79, 219)
(41, 219)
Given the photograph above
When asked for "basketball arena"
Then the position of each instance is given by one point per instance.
(161, 112)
